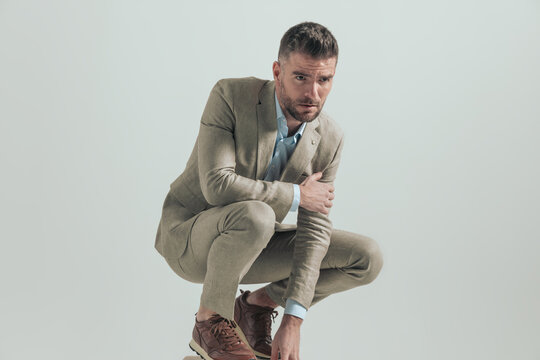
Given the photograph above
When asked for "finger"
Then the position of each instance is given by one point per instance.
(331, 196)
(328, 204)
(275, 351)
(316, 176)
(331, 188)
(306, 179)
(285, 355)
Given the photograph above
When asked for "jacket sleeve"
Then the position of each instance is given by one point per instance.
(312, 240)
(220, 184)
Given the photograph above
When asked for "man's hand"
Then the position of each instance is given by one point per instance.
(315, 195)
(287, 339)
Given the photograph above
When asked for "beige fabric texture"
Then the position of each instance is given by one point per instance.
(222, 188)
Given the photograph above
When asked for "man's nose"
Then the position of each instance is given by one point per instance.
(312, 91)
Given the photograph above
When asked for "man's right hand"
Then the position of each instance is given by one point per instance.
(315, 195)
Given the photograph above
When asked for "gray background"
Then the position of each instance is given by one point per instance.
(99, 107)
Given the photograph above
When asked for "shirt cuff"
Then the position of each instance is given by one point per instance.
(296, 200)
(293, 308)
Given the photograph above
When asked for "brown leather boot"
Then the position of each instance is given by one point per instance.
(254, 325)
(215, 339)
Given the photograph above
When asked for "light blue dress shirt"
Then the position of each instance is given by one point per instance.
(283, 150)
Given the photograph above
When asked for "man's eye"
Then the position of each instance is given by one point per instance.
(300, 77)
(324, 80)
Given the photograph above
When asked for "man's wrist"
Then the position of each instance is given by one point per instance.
(291, 320)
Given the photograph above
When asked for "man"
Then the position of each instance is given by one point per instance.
(264, 148)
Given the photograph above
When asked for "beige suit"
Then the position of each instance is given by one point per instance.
(222, 188)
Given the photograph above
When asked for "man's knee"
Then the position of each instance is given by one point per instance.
(368, 257)
(376, 260)
(254, 216)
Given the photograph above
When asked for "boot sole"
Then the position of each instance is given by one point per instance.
(199, 350)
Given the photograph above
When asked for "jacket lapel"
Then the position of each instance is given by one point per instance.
(266, 128)
(266, 139)
(304, 152)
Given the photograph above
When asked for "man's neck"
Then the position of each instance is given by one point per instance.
(293, 126)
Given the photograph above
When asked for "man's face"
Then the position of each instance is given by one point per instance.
(302, 85)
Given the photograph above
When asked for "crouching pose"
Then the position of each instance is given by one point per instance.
(264, 148)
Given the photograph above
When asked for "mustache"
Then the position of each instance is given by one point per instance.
(307, 102)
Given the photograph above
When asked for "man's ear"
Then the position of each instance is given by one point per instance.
(276, 71)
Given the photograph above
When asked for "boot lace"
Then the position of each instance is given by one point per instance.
(223, 330)
(265, 317)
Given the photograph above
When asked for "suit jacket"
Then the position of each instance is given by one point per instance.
(231, 154)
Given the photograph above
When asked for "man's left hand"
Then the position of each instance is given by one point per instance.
(287, 339)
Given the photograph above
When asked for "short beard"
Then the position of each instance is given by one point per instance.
(288, 104)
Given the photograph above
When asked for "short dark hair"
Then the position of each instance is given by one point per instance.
(308, 38)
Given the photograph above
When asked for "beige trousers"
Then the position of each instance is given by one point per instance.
(225, 246)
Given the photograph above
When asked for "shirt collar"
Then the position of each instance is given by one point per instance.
(282, 122)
